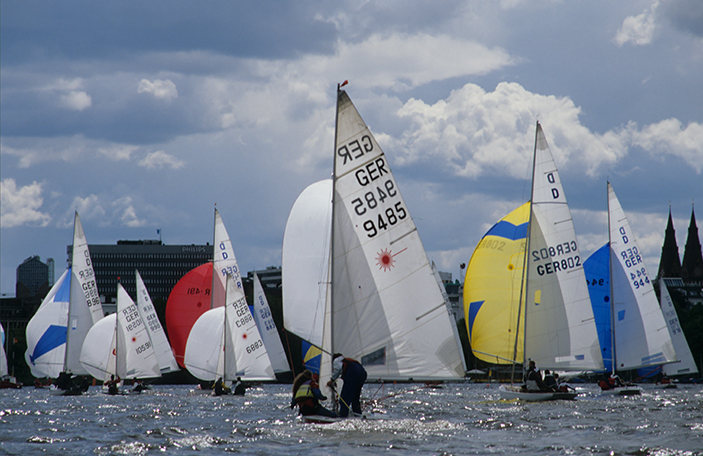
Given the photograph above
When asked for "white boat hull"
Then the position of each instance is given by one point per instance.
(623, 391)
(509, 392)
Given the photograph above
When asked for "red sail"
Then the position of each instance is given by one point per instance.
(189, 299)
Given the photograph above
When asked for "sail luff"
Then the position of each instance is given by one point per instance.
(613, 335)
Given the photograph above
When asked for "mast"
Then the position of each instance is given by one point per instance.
(334, 186)
(613, 349)
(214, 250)
(70, 296)
(224, 333)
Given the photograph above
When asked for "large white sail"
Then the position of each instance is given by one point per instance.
(164, 354)
(686, 364)
(224, 263)
(205, 348)
(267, 328)
(560, 331)
(119, 344)
(641, 337)
(85, 308)
(305, 261)
(387, 310)
(46, 331)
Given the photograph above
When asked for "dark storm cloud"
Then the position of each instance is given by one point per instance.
(100, 30)
(686, 15)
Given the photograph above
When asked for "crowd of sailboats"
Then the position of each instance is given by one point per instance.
(358, 281)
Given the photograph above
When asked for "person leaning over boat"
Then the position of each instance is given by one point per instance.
(239, 388)
(533, 379)
(354, 376)
(550, 381)
(307, 396)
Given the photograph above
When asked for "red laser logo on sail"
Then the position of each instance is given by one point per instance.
(386, 260)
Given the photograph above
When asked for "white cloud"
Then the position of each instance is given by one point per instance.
(20, 206)
(117, 152)
(89, 208)
(127, 213)
(161, 159)
(160, 89)
(668, 137)
(639, 29)
(76, 101)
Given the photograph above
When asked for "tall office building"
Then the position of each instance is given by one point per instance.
(52, 268)
(161, 266)
(32, 279)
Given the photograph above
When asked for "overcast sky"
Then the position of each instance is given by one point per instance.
(144, 115)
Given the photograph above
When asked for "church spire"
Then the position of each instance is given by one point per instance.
(692, 266)
(669, 264)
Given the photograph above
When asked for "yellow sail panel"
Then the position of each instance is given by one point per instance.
(492, 289)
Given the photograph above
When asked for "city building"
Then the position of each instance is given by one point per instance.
(32, 279)
(160, 266)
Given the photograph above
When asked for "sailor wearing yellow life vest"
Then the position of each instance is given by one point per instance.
(307, 396)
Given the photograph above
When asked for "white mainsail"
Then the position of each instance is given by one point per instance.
(164, 354)
(560, 331)
(224, 341)
(686, 364)
(85, 308)
(56, 332)
(267, 328)
(641, 337)
(119, 344)
(387, 310)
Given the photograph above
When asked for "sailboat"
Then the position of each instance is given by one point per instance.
(56, 332)
(268, 330)
(147, 312)
(553, 321)
(119, 345)
(686, 365)
(372, 294)
(633, 333)
(224, 342)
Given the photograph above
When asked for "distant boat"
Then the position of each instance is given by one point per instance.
(119, 345)
(686, 365)
(188, 300)
(225, 342)
(631, 324)
(162, 349)
(56, 332)
(268, 330)
(540, 308)
(372, 294)
(6, 380)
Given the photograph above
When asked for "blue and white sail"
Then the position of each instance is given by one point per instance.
(56, 332)
(597, 269)
(686, 365)
(267, 328)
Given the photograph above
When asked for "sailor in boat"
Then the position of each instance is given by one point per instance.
(220, 388)
(354, 376)
(112, 385)
(239, 388)
(550, 380)
(307, 396)
(533, 379)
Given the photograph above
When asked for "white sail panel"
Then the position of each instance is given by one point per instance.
(85, 308)
(205, 346)
(224, 263)
(387, 309)
(267, 328)
(164, 354)
(136, 356)
(253, 362)
(686, 364)
(641, 335)
(99, 353)
(305, 259)
(560, 331)
(46, 331)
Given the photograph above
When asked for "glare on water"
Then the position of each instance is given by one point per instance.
(456, 419)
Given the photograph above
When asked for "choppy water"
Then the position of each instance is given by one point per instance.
(457, 419)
